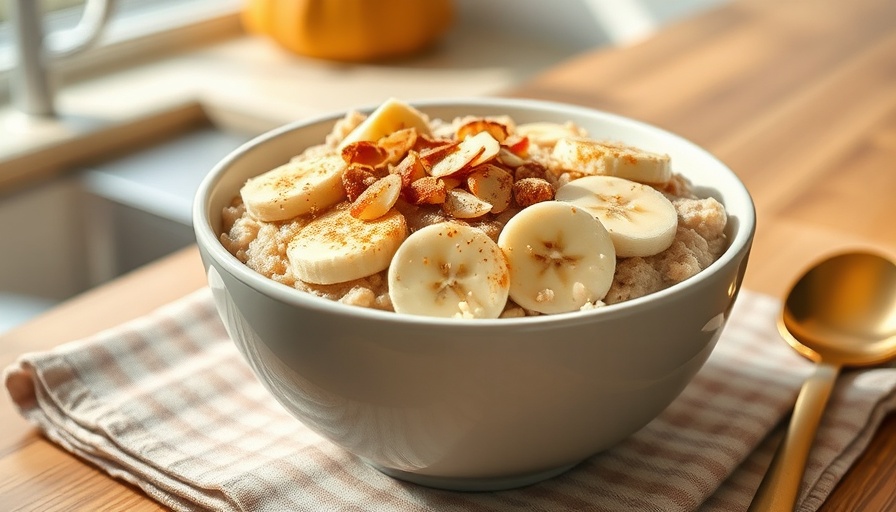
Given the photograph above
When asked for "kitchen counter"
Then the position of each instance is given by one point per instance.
(796, 98)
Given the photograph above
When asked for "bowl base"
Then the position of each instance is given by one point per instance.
(472, 484)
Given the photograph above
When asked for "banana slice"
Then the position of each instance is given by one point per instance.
(337, 247)
(561, 258)
(449, 270)
(641, 221)
(604, 158)
(296, 188)
(392, 115)
(548, 134)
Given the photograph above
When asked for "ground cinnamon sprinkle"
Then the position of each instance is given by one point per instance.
(699, 240)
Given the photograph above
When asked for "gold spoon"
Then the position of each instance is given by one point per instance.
(842, 312)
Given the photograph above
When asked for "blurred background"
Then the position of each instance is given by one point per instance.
(172, 86)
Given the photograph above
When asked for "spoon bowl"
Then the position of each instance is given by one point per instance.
(841, 312)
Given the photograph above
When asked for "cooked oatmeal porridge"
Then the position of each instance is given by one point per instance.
(472, 217)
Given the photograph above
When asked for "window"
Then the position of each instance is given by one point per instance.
(140, 25)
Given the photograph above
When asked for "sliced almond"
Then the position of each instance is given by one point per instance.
(410, 168)
(378, 199)
(429, 157)
(509, 158)
(472, 151)
(490, 148)
(455, 161)
(397, 144)
(461, 204)
(364, 153)
(451, 182)
(493, 185)
(497, 130)
(452, 164)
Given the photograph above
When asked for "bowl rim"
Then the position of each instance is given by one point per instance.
(207, 239)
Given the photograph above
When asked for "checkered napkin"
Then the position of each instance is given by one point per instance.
(165, 402)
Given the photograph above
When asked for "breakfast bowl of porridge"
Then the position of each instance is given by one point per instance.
(473, 294)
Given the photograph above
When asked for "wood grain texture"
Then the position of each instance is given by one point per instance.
(798, 98)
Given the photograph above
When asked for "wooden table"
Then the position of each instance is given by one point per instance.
(799, 98)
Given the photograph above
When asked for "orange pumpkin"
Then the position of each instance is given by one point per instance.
(350, 30)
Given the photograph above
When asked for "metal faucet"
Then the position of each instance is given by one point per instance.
(31, 88)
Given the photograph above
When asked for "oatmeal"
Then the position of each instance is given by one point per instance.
(472, 217)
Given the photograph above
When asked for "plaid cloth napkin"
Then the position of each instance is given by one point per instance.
(165, 402)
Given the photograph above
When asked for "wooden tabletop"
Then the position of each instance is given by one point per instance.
(798, 98)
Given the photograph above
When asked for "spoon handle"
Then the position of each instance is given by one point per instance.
(781, 484)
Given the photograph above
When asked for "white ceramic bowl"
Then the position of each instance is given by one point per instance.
(474, 404)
